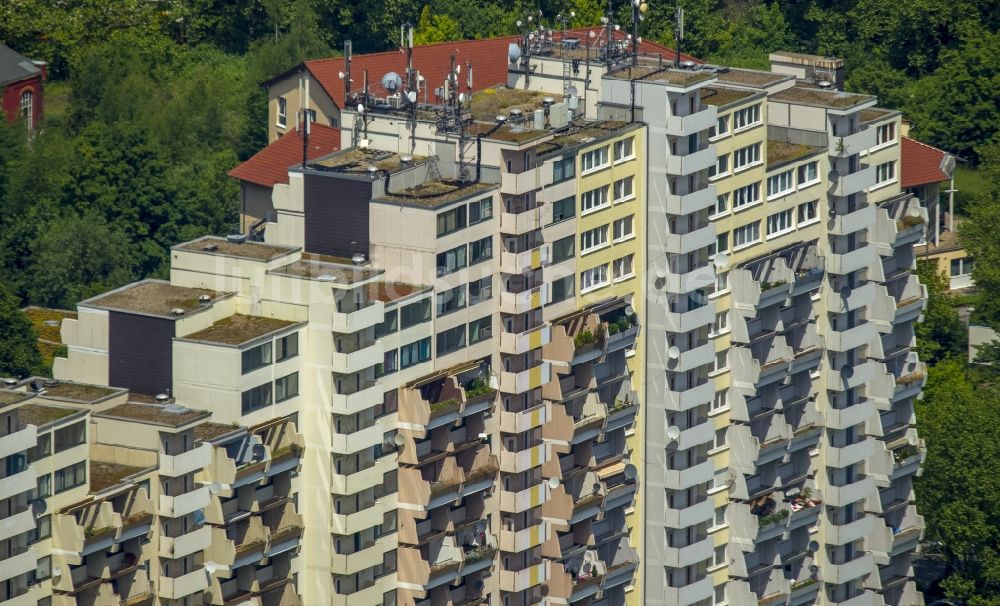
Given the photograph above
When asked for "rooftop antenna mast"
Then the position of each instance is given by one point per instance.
(609, 23)
(678, 33)
(347, 69)
(305, 123)
(639, 9)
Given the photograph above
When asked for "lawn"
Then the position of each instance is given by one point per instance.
(969, 182)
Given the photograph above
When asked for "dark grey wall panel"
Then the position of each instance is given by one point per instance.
(141, 352)
(336, 212)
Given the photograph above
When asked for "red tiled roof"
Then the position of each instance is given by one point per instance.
(488, 58)
(270, 165)
(921, 163)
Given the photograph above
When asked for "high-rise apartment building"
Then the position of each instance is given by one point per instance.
(620, 332)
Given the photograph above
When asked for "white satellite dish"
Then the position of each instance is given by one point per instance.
(398, 439)
(661, 271)
(341, 75)
(721, 260)
(553, 483)
(364, 143)
(215, 488)
(673, 352)
(673, 433)
(592, 35)
(361, 108)
(458, 69)
(211, 567)
(411, 96)
(461, 97)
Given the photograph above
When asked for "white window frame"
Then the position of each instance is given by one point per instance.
(713, 171)
(622, 146)
(26, 106)
(741, 193)
(594, 200)
(745, 118)
(720, 133)
(720, 325)
(281, 119)
(746, 158)
(618, 229)
(815, 170)
(722, 199)
(594, 160)
(594, 278)
(619, 265)
(593, 240)
(815, 213)
(885, 174)
(748, 234)
(620, 184)
(880, 137)
(783, 221)
(781, 184)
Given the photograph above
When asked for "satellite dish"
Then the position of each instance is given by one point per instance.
(341, 75)
(461, 97)
(847, 371)
(813, 546)
(592, 34)
(673, 352)
(38, 507)
(364, 143)
(215, 488)
(553, 483)
(399, 439)
(673, 433)
(629, 310)
(571, 91)
(631, 473)
(258, 452)
(844, 292)
(361, 108)
(721, 260)
(411, 96)
(211, 567)
(458, 69)
(56, 573)
(392, 82)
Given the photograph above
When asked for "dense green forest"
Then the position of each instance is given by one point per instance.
(151, 102)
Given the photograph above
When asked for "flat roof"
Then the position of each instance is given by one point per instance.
(104, 475)
(779, 152)
(589, 133)
(8, 397)
(325, 271)
(392, 291)
(43, 414)
(489, 103)
(238, 329)
(721, 96)
(81, 392)
(875, 113)
(751, 77)
(48, 321)
(209, 430)
(170, 415)
(358, 161)
(437, 192)
(665, 73)
(833, 99)
(215, 245)
(154, 297)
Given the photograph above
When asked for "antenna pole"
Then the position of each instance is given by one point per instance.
(347, 69)
(607, 44)
(678, 33)
(635, 33)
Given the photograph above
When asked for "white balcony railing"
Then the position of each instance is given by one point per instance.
(187, 462)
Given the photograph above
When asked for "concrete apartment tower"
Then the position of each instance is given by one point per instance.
(619, 332)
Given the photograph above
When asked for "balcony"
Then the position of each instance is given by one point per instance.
(354, 400)
(680, 479)
(519, 343)
(524, 301)
(522, 222)
(190, 542)
(690, 397)
(692, 593)
(518, 422)
(175, 588)
(527, 181)
(523, 262)
(517, 541)
(365, 516)
(689, 516)
(351, 322)
(19, 564)
(181, 505)
(523, 500)
(689, 555)
(691, 241)
(369, 555)
(19, 523)
(523, 460)
(850, 338)
(848, 571)
(692, 358)
(702, 120)
(526, 380)
(524, 579)
(686, 321)
(863, 257)
(185, 463)
(856, 414)
(366, 356)
(910, 296)
(18, 483)
(840, 496)
(842, 147)
(856, 182)
(702, 432)
(685, 204)
(862, 218)
(356, 440)
(691, 163)
(18, 441)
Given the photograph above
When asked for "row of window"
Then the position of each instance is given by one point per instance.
(742, 118)
(776, 224)
(463, 216)
(593, 239)
(456, 298)
(885, 172)
(596, 277)
(465, 255)
(777, 185)
(260, 356)
(62, 480)
(565, 168)
(282, 389)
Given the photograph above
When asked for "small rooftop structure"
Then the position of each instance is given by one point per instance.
(169, 415)
(801, 94)
(214, 245)
(238, 329)
(153, 297)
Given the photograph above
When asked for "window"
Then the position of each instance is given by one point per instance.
(721, 166)
(746, 195)
(414, 353)
(780, 222)
(43, 487)
(720, 362)
(808, 174)
(451, 221)
(43, 568)
(594, 199)
(71, 477)
(746, 117)
(255, 398)
(745, 156)
(287, 347)
(282, 112)
(720, 441)
(311, 116)
(26, 106)
(562, 289)
(563, 209)
(885, 173)
(721, 127)
(388, 325)
(70, 436)
(624, 189)
(624, 228)
(720, 401)
(42, 530)
(593, 238)
(451, 260)
(594, 159)
(415, 313)
(624, 149)
(622, 268)
(721, 204)
(780, 184)
(808, 212)
(451, 340)
(481, 250)
(594, 277)
(286, 387)
(42, 449)
(885, 133)
(389, 364)
(722, 242)
(746, 235)
(480, 330)
(960, 267)
(257, 357)
(563, 169)
(480, 290)
(480, 210)
(450, 300)
(562, 249)
(721, 323)
(721, 282)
